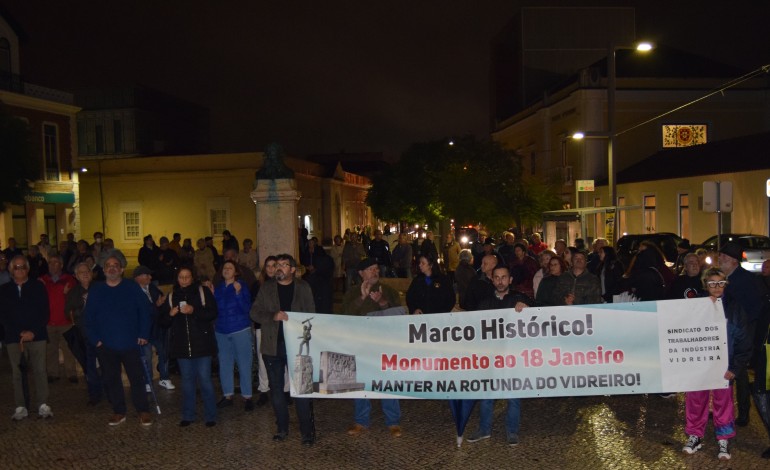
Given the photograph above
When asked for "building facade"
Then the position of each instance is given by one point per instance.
(202, 195)
(659, 104)
(51, 207)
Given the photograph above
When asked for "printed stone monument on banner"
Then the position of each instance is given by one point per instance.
(338, 373)
(303, 364)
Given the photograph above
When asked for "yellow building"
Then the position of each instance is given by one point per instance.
(202, 195)
(664, 193)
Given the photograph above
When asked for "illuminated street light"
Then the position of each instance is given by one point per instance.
(644, 47)
(611, 133)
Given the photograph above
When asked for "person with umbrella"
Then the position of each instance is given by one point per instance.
(503, 297)
(24, 316)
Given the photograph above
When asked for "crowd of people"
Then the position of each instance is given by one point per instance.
(229, 309)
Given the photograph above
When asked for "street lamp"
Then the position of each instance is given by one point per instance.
(611, 130)
(611, 133)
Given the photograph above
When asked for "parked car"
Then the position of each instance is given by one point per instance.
(756, 249)
(628, 246)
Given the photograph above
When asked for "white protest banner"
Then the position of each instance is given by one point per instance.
(643, 347)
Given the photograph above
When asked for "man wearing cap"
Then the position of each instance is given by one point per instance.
(372, 296)
(743, 288)
(158, 335)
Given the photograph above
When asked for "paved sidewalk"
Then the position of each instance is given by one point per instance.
(624, 432)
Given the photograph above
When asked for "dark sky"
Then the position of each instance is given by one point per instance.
(325, 76)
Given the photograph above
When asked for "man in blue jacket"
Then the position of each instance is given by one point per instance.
(117, 317)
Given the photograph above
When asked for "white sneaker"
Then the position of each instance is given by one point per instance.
(45, 411)
(724, 450)
(20, 414)
(166, 384)
(147, 388)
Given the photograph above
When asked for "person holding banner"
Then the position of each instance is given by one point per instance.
(739, 351)
(277, 296)
(372, 297)
(503, 298)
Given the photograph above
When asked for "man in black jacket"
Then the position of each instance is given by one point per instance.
(24, 313)
(481, 287)
(502, 297)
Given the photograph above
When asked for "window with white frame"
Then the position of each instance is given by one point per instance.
(218, 215)
(131, 218)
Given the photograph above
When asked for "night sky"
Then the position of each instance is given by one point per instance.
(330, 76)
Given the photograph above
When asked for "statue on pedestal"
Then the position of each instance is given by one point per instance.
(273, 166)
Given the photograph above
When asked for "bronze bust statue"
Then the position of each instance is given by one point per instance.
(273, 166)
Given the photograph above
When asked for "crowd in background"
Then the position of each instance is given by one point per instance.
(223, 291)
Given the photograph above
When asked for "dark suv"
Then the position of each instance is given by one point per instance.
(628, 246)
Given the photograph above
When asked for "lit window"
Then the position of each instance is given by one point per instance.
(131, 226)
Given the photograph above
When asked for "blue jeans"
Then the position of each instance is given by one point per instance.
(276, 367)
(235, 348)
(390, 408)
(512, 416)
(197, 370)
(111, 360)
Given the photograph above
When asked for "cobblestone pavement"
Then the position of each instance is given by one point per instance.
(623, 432)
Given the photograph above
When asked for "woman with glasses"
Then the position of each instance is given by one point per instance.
(697, 403)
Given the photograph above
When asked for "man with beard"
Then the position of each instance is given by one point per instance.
(277, 296)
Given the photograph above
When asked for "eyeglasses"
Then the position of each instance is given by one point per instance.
(716, 283)
(282, 265)
(19, 267)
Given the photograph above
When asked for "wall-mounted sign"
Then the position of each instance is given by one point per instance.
(684, 135)
(50, 198)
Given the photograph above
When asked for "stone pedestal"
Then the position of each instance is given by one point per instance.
(276, 206)
(337, 373)
(302, 378)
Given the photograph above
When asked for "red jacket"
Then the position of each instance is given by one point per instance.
(57, 296)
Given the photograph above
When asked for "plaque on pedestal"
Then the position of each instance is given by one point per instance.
(337, 373)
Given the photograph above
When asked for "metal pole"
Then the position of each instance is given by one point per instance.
(611, 78)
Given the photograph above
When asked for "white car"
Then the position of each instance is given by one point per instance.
(756, 248)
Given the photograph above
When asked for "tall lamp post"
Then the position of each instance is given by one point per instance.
(611, 133)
